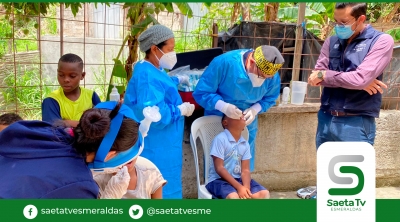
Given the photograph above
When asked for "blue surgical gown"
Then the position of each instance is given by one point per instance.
(163, 145)
(226, 79)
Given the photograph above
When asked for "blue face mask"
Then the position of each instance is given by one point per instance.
(344, 31)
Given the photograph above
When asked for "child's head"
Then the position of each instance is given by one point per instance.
(95, 124)
(7, 119)
(70, 72)
(233, 124)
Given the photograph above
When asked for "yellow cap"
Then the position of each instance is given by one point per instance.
(270, 65)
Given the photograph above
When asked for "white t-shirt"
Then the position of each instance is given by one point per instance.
(149, 179)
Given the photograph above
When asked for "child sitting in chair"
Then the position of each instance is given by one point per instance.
(229, 175)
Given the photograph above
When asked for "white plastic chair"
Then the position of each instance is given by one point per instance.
(206, 128)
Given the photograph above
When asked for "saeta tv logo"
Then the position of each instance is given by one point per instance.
(346, 181)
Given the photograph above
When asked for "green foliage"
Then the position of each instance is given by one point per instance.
(23, 29)
(184, 8)
(24, 35)
(200, 38)
(395, 33)
(49, 24)
(25, 91)
(139, 28)
(189, 42)
(100, 83)
(377, 10)
(25, 9)
(74, 7)
(141, 16)
(118, 78)
(317, 15)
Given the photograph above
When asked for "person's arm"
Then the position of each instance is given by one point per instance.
(246, 173)
(323, 59)
(158, 182)
(205, 93)
(157, 194)
(223, 173)
(269, 99)
(175, 79)
(71, 123)
(50, 110)
(95, 99)
(117, 186)
(371, 67)
(246, 177)
(151, 94)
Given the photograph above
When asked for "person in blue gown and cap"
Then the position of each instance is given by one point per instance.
(243, 81)
(150, 85)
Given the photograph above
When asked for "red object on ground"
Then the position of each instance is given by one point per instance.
(188, 97)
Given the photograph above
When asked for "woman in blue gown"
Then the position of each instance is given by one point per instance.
(150, 85)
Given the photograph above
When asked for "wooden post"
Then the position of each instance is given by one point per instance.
(298, 43)
(61, 29)
(215, 36)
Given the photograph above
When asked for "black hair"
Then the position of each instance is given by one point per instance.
(357, 9)
(71, 58)
(9, 118)
(162, 44)
(222, 119)
(95, 124)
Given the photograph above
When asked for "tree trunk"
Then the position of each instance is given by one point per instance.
(271, 11)
(133, 43)
(246, 11)
(235, 12)
(390, 16)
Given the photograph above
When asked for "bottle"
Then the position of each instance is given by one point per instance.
(285, 95)
(114, 95)
(151, 114)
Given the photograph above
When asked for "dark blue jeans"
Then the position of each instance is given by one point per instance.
(345, 128)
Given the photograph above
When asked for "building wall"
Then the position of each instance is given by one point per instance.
(72, 26)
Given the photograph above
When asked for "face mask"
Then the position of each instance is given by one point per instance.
(344, 32)
(168, 60)
(255, 81)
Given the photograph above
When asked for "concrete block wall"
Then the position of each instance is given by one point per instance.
(387, 147)
(286, 152)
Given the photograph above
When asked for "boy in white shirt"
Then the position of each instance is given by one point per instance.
(229, 176)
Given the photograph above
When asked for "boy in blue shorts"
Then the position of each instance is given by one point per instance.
(69, 101)
(229, 175)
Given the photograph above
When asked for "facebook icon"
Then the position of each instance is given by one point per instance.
(30, 211)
